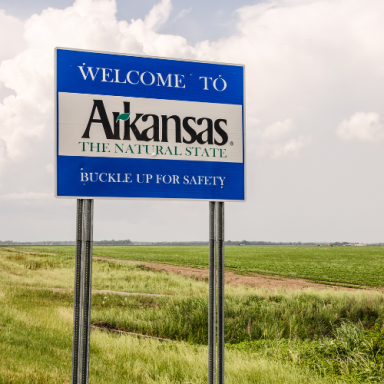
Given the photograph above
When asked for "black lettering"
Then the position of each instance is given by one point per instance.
(164, 128)
(209, 131)
(221, 132)
(116, 125)
(99, 105)
(155, 127)
(189, 130)
(128, 125)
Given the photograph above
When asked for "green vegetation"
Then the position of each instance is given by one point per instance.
(346, 265)
(272, 336)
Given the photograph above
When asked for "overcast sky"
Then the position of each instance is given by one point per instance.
(315, 107)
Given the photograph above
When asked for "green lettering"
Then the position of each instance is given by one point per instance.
(83, 142)
(129, 149)
(139, 147)
(117, 146)
(159, 150)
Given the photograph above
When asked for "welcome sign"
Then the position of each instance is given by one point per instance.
(146, 127)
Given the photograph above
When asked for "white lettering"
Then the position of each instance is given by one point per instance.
(149, 177)
(129, 77)
(175, 179)
(106, 75)
(169, 179)
(90, 72)
(224, 84)
(160, 79)
(142, 78)
(205, 82)
(90, 176)
(221, 179)
(158, 177)
(138, 179)
(179, 81)
(84, 176)
(117, 77)
(103, 181)
(128, 178)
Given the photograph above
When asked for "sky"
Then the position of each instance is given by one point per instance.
(314, 114)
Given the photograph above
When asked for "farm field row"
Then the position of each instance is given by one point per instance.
(345, 265)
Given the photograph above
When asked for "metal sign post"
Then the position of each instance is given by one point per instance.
(82, 296)
(216, 231)
(220, 295)
(212, 295)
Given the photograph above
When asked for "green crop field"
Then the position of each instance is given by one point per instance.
(272, 337)
(346, 265)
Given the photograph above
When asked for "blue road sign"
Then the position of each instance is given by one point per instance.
(146, 127)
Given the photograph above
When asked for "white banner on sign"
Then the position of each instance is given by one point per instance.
(129, 127)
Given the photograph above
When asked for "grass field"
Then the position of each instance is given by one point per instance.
(346, 265)
(272, 336)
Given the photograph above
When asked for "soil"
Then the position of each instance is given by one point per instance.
(252, 280)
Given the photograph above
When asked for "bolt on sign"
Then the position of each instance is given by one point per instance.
(145, 127)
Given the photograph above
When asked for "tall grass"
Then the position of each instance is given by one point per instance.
(256, 314)
(36, 338)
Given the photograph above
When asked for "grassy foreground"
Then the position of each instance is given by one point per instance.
(347, 265)
(36, 338)
(272, 336)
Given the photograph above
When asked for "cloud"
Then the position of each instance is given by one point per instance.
(26, 196)
(273, 142)
(11, 37)
(362, 127)
(158, 15)
(277, 130)
(184, 12)
(277, 150)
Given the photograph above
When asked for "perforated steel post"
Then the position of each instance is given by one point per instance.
(212, 295)
(82, 292)
(220, 294)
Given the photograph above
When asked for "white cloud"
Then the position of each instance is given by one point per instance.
(362, 127)
(184, 12)
(277, 130)
(26, 196)
(158, 15)
(49, 168)
(273, 142)
(11, 36)
(278, 150)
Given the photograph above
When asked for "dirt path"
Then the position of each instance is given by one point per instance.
(254, 280)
